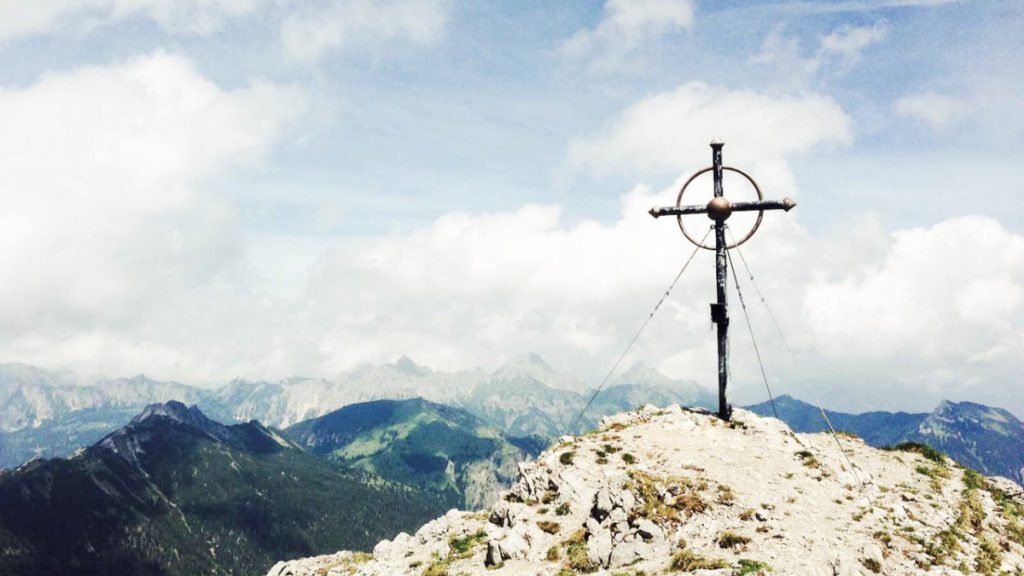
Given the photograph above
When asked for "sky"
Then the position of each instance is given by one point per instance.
(202, 190)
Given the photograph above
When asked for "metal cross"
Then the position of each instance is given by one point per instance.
(719, 209)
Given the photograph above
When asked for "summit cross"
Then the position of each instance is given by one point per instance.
(718, 209)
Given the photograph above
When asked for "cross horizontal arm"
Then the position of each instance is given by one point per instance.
(786, 204)
(677, 210)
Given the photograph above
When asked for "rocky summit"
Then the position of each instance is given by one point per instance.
(677, 491)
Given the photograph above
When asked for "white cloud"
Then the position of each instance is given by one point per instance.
(119, 256)
(783, 52)
(122, 250)
(318, 28)
(20, 19)
(837, 51)
(929, 297)
(915, 313)
(935, 110)
(626, 27)
(848, 43)
(669, 132)
(930, 309)
(113, 235)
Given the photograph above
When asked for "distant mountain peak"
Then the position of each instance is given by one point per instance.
(642, 372)
(406, 366)
(529, 362)
(176, 411)
(531, 366)
(645, 374)
(17, 373)
(535, 359)
(179, 413)
(948, 413)
(161, 420)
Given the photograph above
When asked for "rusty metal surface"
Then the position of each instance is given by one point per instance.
(679, 210)
(720, 310)
(719, 209)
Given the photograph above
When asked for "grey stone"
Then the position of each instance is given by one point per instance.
(503, 515)
(599, 548)
(513, 546)
(617, 515)
(627, 552)
(649, 531)
(873, 553)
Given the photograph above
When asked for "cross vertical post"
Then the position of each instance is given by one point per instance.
(720, 309)
(719, 209)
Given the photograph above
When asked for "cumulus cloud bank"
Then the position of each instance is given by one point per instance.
(319, 27)
(473, 289)
(124, 246)
(668, 132)
(114, 234)
(19, 19)
(626, 27)
(123, 252)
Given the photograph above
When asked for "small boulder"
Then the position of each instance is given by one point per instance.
(599, 548)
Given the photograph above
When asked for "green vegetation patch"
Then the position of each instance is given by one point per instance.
(687, 561)
(919, 448)
(935, 474)
(726, 495)
(576, 552)
(943, 546)
(989, 558)
(730, 540)
(752, 567)
(458, 549)
(463, 547)
(970, 513)
(646, 488)
(549, 526)
(808, 459)
(973, 480)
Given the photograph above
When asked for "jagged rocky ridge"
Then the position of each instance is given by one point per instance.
(663, 491)
(175, 493)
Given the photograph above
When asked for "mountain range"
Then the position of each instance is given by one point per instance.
(46, 414)
(981, 437)
(176, 493)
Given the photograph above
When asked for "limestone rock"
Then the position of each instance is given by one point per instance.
(655, 487)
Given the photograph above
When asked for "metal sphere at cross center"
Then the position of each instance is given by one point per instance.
(719, 209)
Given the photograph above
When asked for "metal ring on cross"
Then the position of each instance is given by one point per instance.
(757, 223)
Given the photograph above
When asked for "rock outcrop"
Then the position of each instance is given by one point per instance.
(674, 490)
